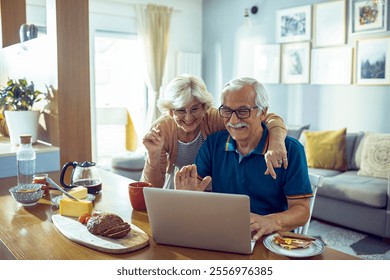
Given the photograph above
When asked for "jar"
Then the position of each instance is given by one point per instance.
(41, 179)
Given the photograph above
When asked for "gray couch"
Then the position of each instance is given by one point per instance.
(358, 202)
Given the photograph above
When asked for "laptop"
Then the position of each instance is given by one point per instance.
(202, 220)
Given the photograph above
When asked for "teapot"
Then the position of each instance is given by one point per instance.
(84, 174)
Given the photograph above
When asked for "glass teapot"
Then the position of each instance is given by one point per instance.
(84, 174)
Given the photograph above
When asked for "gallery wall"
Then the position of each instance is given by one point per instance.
(228, 52)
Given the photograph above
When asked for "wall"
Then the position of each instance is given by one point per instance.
(359, 108)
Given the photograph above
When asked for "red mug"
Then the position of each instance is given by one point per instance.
(136, 194)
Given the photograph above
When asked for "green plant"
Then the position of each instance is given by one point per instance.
(18, 95)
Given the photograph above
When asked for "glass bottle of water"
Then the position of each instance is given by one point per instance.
(25, 158)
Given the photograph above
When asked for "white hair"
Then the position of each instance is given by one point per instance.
(237, 84)
(182, 90)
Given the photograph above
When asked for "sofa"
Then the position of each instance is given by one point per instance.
(350, 196)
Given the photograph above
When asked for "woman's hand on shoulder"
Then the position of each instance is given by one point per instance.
(275, 157)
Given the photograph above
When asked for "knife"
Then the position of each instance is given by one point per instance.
(52, 183)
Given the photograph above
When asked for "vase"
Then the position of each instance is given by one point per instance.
(22, 122)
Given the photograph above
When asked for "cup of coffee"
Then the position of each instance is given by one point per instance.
(136, 194)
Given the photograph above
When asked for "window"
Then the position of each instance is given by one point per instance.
(119, 87)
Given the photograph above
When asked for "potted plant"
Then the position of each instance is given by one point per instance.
(17, 99)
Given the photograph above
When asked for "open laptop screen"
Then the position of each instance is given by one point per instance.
(201, 220)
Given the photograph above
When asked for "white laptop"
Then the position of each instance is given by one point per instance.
(202, 220)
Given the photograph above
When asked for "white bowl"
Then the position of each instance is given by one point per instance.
(28, 194)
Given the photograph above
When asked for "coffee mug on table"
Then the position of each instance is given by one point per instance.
(136, 194)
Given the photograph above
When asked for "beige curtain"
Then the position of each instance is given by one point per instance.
(153, 23)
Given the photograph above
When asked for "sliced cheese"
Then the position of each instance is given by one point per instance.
(73, 208)
(78, 192)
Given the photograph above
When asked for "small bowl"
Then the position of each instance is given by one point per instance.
(28, 194)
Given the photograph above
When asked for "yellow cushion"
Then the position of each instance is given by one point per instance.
(326, 149)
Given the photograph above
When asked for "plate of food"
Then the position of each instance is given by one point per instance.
(293, 245)
(56, 200)
(77, 192)
(105, 232)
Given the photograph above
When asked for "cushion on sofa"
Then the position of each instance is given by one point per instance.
(324, 172)
(326, 149)
(350, 187)
(350, 139)
(375, 158)
(295, 131)
(357, 151)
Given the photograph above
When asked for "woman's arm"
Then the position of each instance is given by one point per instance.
(276, 155)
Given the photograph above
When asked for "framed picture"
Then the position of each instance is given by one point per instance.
(373, 61)
(295, 63)
(331, 66)
(293, 24)
(368, 16)
(266, 66)
(329, 23)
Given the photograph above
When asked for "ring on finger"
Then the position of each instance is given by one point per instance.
(280, 161)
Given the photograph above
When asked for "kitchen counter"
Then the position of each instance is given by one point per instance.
(48, 158)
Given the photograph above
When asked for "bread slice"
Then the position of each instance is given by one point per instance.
(109, 225)
(289, 234)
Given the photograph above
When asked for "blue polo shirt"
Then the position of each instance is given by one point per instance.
(234, 173)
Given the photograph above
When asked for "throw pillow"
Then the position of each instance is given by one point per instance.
(295, 131)
(326, 149)
(375, 159)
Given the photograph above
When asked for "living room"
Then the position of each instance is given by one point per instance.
(218, 31)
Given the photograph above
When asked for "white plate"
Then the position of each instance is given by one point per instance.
(316, 248)
(56, 200)
(77, 232)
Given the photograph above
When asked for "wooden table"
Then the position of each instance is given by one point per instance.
(28, 232)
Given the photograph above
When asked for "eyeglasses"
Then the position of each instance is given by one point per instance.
(195, 111)
(243, 113)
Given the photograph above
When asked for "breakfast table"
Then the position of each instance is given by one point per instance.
(28, 233)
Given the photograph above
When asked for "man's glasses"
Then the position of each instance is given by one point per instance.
(195, 111)
(243, 113)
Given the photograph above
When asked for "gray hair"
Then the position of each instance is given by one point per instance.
(182, 90)
(237, 84)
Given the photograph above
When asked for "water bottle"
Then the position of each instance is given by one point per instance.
(25, 158)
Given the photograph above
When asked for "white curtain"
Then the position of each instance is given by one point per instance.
(153, 23)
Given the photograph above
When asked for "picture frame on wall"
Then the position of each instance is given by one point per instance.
(373, 61)
(293, 24)
(296, 63)
(266, 66)
(331, 66)
(329, 23)
(368, 16)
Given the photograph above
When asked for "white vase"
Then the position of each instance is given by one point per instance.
(22, 122)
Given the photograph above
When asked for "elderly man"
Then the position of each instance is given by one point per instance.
(234, 159)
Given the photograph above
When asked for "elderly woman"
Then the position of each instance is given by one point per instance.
(187, 119)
